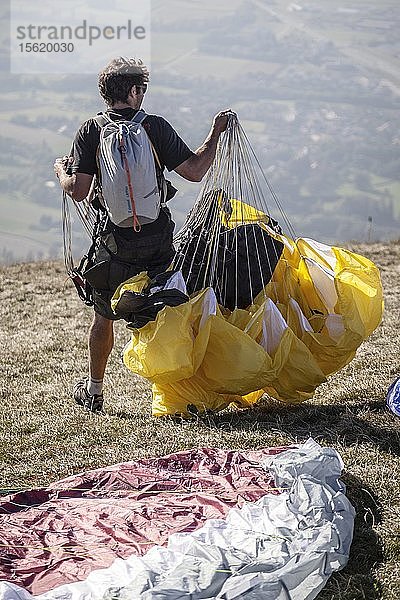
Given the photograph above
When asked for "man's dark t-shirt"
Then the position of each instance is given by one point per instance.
(170, 148)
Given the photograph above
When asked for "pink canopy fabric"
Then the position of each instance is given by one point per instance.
(60, 534)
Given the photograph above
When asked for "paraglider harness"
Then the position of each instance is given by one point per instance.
(99, 226)
(77, 274)
(82, 286)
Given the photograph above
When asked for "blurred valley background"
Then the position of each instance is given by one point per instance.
(316, 85)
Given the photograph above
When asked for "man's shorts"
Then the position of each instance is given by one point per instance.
(117, 259)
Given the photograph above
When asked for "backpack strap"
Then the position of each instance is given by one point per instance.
(155, 153)
(102, 118)
(139, 117)
(162, 181)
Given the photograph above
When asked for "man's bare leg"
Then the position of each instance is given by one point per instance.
(101, 342)
(88, 392)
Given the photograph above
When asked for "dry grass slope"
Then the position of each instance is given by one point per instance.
(45, 437)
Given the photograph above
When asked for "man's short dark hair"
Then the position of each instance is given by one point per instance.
(118, 77)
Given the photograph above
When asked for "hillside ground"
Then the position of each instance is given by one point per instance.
(45, 437)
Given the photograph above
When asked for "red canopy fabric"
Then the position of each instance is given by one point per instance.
(61, 533)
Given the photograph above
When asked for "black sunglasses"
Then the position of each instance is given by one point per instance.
(141, 89)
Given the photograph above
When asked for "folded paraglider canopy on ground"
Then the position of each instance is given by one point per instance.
(203, 523)
(245, 310)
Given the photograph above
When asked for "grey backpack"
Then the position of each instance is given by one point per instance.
(129, 189)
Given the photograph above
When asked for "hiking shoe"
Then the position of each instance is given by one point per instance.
(393, 397)
(83, 398)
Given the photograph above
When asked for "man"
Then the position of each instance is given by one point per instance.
(122, 84)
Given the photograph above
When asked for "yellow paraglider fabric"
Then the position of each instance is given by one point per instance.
(240, 212)
(307, 323)
(134, 284)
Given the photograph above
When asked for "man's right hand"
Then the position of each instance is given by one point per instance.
(195, 167)
(221, 120)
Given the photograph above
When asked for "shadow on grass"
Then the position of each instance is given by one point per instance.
(127, 415)
(357, 580)
(333, 423)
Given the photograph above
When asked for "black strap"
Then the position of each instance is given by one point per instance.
(83, 288)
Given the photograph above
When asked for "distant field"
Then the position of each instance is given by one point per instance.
(22, 246)
(18, 214)
(354, 3)
(46, 103)
(9, 171)
(35, 136)
(348, 35)
(379, 184)
(222, 66)
(167, 47)
(393, 188)
(16, 234)
(155, 89)
(253, 126)
(179, 10)
(32, 112)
